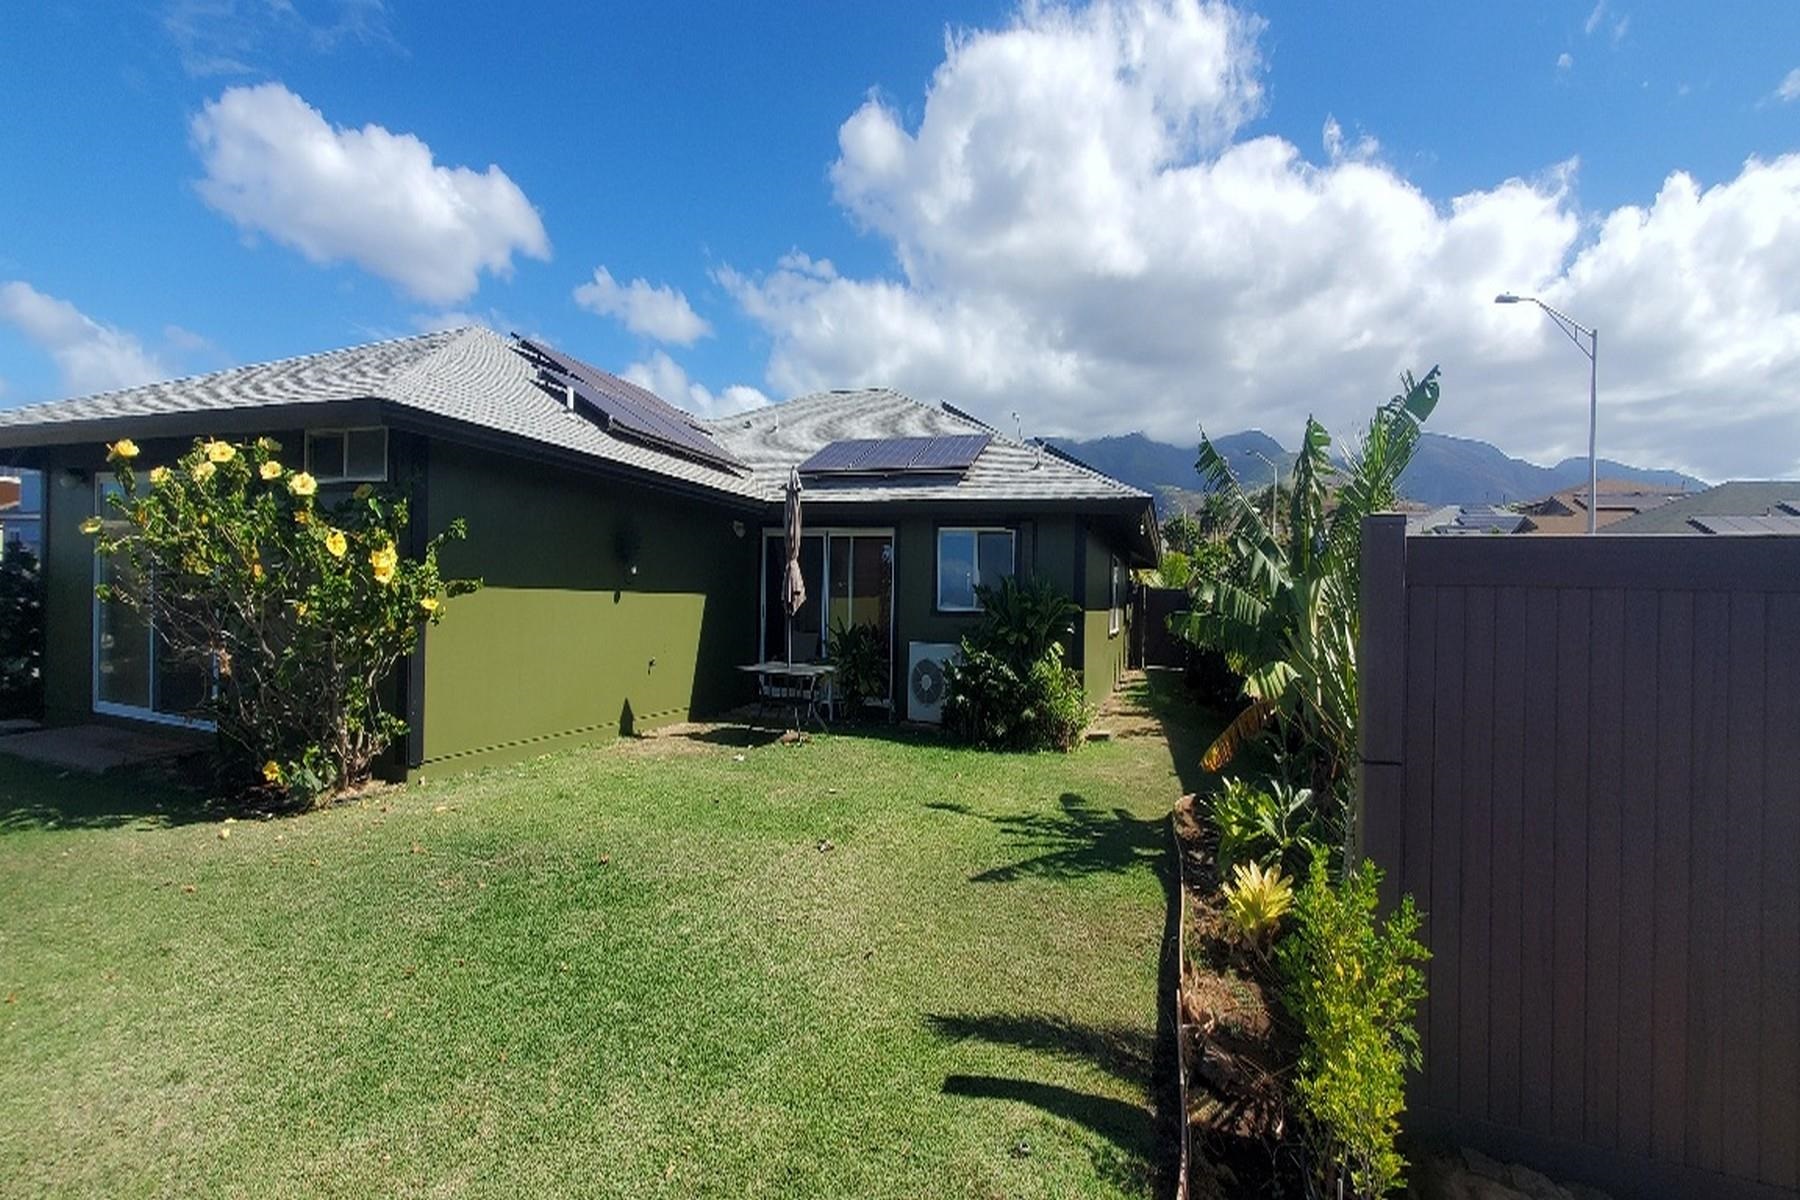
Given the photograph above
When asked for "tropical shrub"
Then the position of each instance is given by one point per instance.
(990, 704)
(21, 634)
(299, 611)
(1173, 570)
(1021, 621)
(1255, 901)
(1285, 615)
(1278, 826)
(1352, 983)
(860, 654)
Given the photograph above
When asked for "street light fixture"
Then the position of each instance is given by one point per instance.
(1575, 331)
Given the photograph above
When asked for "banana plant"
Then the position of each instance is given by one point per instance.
(1286, 617)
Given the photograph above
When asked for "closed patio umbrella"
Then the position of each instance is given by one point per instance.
(793, 583)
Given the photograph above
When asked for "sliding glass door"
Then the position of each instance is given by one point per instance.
(135, 675)
(849, 576)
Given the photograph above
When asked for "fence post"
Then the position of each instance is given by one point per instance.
(1381, 699)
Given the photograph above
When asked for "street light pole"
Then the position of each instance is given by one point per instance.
(1575, 331)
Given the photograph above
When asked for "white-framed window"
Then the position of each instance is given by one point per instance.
(1115, 616)
(347, 455)
(969, 557)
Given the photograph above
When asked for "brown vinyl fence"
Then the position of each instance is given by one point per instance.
(1582, 757)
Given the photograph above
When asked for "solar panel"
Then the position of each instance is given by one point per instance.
(629, 410)
(953, 454)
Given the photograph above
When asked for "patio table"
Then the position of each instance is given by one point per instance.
(796, 685)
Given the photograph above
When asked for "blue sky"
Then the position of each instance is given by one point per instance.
(1133, 216)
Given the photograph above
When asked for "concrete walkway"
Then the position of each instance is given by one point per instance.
(96, 748)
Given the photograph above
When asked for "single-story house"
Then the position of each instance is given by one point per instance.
(1739, 508)
(631, 552)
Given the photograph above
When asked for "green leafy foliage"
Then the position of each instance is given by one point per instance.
(860, 654)
(1022, 621)
(298, 611)
(1277, 826)
(1255, 901)
(1181, 533)
(21, 634)
(1285, 612)
(1174, 570)
(990, 704)
(1011, 689)
(1353, 984)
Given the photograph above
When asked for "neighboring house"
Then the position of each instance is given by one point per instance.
(1463, 520)
(1746, 507)
(22, 512)
(1567, 511)
(631, 553)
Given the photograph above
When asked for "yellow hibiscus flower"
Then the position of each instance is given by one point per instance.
(272, 772)
(302, 484)
(219, 452)
(270, 470)
(256, 572)
(429, 604)
(91, 526)
(300, 607)
(336, 543)
(124, 449)
(159, 476)
(384, 561)
(267, 445)
(203, 471)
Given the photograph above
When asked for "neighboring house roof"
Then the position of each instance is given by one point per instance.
(1774, 505)
(1566, 511)
(1462, 520)
(483, 383)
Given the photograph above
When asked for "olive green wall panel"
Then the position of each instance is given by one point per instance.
(1103, 658)
(566, 641)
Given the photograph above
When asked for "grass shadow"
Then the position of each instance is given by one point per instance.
(1188, 725)
(1127, 1126)
(1120, 1050)
(1080, 840)
(35, 797)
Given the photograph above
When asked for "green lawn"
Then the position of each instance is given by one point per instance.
(856, 967)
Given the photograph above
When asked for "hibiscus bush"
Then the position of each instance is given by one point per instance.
(299, 611)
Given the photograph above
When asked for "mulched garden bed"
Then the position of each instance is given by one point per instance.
(1237, 1044)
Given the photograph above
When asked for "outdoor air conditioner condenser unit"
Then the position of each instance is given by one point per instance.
(925, 663)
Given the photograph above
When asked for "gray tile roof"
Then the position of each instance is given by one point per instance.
(771, 440)
(1743, 498)
(476, 377)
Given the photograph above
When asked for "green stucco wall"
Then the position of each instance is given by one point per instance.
(564, 643)
(1104, 654)
(1058, 548)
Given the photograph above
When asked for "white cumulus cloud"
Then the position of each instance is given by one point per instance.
(379, 199)
(666, 377)
(90, 356)
(652, 311)
(1084, 231)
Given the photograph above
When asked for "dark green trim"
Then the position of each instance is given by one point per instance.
(410, 464)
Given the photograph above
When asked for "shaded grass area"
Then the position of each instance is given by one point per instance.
(862, 966)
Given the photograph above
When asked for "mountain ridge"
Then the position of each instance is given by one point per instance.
(1444, 470)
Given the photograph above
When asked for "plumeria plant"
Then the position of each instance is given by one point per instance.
(298, 610)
